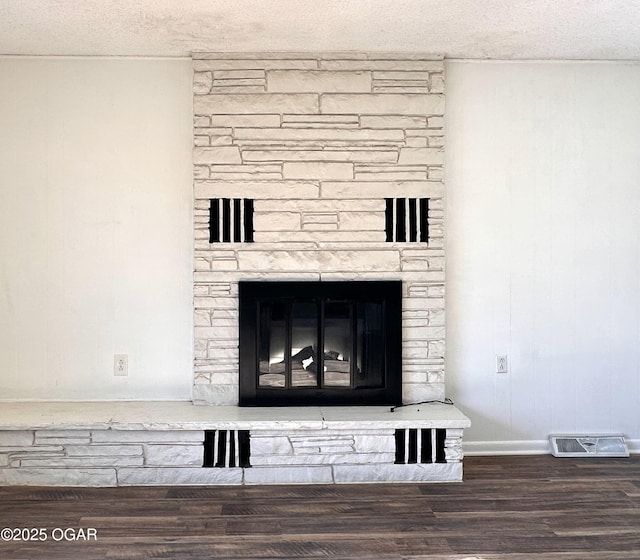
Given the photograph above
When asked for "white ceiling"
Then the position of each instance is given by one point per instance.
(494, 29)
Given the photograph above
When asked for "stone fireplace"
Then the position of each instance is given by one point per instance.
(319, 195)
(318, 168)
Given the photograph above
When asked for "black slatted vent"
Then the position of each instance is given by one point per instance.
(407, 219)
(420, 446)
(227, 448)
(230, 220)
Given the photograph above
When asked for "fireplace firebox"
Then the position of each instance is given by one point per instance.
(320, 343)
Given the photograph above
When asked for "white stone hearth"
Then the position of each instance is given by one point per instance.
(162, 443)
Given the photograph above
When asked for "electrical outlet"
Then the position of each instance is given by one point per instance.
(502, 365)
(121, 364)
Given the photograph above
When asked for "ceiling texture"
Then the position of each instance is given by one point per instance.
(468, 29)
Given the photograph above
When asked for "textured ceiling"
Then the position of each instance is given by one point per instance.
(494, 29)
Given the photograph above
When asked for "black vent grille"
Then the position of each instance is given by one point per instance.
(227, 448)
(230, 220)
(407, 219)
(420, 446)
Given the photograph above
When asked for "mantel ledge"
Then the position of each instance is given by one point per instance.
(184, 415)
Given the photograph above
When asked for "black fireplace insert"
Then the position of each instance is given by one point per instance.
(320, 343)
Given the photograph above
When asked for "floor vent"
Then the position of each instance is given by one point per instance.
(420, 446)
(612, 445)
(227, 448)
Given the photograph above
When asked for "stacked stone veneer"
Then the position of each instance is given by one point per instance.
(318, 141)
(291, 454)
(79, 457)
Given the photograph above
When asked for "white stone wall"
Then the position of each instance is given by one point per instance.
(318, 141)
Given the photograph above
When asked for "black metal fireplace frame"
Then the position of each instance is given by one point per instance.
(389, 293)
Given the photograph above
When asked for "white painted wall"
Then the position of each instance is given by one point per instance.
(95, 228)
(543, 262)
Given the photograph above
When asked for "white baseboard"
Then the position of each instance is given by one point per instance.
(523, 447)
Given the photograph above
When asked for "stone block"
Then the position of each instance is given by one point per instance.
(215, 303)
(416, 142)
(401, 76)
(321, 121)
(102, 450)
(277, 221)
(41, 434)
(83, 462)
(416, 156)
(41, 451)
(435, 122)
(260, 62)
(347, 261)
(216, 352)
(339, 155)
(320, 217)
(375, 121)
(417, 303)
(436, 472)
(240, 121)
(401, 63)
(318, 81)
(273, 445)
(235, 75)
(173, 455)
(18, 438)
(419, 392)
(363, 174)
(216, 333)
(436, 348)
(382, 443)
(437, 83)
(62, 440)
(413, 373)
(150, 476)
(280, 135)
(420, 351)
(321, 205)
(34, 476)
(382, 189)
(337, 441)
(222, 395)
(257, 189)
(382, 103)
(303, 474)
(199, 121)
(202, 82)
(249, 103)
(423, 333)
(359, 221)
(436, 173)
(216, 154)
(326, 238)
(236, 89)
(324, 459)
(201, 318)
(318, 170)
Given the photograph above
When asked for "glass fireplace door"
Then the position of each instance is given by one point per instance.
(315, 343)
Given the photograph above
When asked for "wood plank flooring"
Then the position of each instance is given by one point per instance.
(515, 508)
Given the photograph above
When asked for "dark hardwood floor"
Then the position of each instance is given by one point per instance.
(507, 508)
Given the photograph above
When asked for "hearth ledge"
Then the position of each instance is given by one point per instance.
(183, 415)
